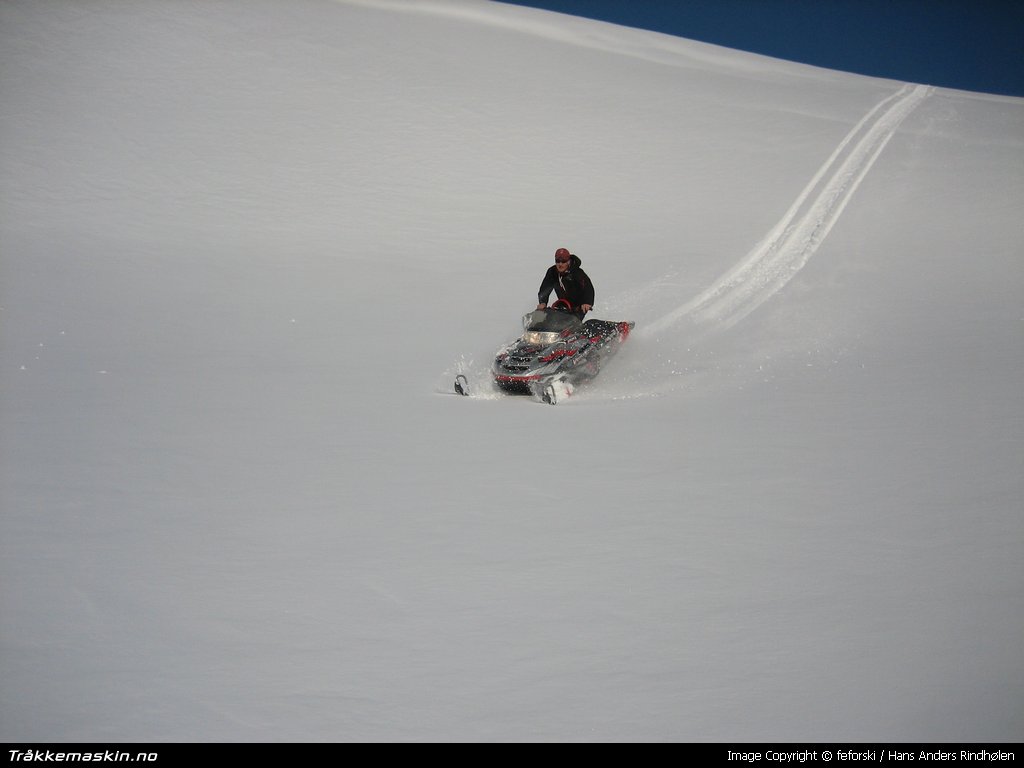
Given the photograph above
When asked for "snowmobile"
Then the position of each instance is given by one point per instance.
(557, 351)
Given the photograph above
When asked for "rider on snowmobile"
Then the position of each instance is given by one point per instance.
(569, 283)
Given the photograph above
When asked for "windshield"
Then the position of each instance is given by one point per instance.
(545, 326)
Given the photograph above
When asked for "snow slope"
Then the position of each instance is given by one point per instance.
(245, 248)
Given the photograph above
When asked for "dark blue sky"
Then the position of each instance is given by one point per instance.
(975, 45)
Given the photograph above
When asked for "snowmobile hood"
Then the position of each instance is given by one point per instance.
(557, 351)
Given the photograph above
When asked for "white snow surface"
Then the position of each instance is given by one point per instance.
(247, 246)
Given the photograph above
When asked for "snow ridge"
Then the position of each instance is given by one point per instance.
(796, 237)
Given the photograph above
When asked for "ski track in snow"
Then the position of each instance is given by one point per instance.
(789, 245)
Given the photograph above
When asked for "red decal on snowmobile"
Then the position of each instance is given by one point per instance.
(558, 353)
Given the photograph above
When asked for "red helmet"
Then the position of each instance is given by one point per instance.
(562, 253)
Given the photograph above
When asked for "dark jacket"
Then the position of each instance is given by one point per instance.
(573, 285)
